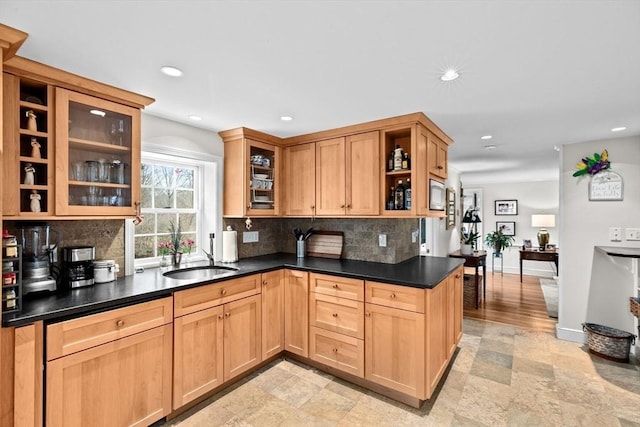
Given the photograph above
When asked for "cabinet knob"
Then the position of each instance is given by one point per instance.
(335, 350)
(341, 206)
(348, 206)
(223, 292)
(220, 316)
(440, 167)
(335, 286)
(264, 283)
(227, 314)
(120, 323)
(368, 314)
(313, 207)
(392, 296)
(335, 314)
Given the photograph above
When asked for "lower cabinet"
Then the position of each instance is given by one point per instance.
(126, 382)
(337, 350)
(272, 313)
(296, 317)
(242, 336)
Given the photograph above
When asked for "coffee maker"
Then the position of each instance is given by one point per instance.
(39, 243)
(77, 266)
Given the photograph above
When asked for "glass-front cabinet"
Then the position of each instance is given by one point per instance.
(97, 156)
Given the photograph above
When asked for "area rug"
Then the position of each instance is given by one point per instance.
(550, 292)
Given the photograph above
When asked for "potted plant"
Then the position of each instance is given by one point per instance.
(467, 241)
(498, 240)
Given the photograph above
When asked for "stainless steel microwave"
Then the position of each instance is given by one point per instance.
(436, 195)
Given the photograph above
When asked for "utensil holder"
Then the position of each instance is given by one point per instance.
(300, 248)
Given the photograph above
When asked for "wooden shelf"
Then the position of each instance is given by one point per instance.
(34, 187)
(34, 133)
(34, 106)
(34, 160)
(402, 172)
(101, 147)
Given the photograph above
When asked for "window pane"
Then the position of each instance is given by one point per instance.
(144, 246)
(147, 200)
(146, 174)
(164, 176)
(188, 222)
(163, 199)
(184, 178)
(164, 223)
(184, 199)
(148, 226)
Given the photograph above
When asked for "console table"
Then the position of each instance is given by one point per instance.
(533, 255)
(476, 259)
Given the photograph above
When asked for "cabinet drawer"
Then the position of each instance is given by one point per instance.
(79, 334)
(402, 297)
(337, 350)
(337, 286)
(337, 314)
(196, 299)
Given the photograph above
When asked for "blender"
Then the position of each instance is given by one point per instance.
(38, 256)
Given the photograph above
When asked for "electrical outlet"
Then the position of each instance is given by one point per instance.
(250, 237)
(382, 240)
(615, 234)
(633, 234)
(414, 236)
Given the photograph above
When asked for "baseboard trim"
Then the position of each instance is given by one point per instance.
(573, 335)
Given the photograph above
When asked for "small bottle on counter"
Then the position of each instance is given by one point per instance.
(397, 158)
(399, 197)
(407, 195)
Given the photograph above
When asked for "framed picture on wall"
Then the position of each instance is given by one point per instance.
(508, 227)
(451, 208)
(506, 207)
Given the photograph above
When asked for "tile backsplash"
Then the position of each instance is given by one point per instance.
(360, 236)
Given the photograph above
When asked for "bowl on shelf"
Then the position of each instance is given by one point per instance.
(260, 175)
(262, 198)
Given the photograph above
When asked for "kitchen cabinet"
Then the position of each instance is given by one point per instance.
(437, 156)
(347, 173)
(112, 368)
(27, 375)
(218, 329)
(251, 174)
(296, 316)
(28, 148)
(97, 156)
(300, 180)
(272, 313)
(403, 137)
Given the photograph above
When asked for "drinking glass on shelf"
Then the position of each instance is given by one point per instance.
(117, 132)
(78, 171)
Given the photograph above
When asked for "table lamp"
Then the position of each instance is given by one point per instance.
(543, 221)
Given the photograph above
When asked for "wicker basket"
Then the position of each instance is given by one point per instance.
(469, 294)
(610, 343)
(634, 306)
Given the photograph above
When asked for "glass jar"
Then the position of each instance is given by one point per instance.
(103, 170)
(117, 172)
(91, 170)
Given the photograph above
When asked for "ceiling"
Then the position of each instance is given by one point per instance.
(533, 74)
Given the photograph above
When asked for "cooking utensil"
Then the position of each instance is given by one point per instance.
(298, 233)
(308, 234)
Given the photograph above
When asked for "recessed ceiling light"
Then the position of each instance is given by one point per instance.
(620, 129)
(286, 118)
(486, 137)
(555, 147)
(195, 118)
(490, 147)
(171, 71)
(449, 75)
(98, 113)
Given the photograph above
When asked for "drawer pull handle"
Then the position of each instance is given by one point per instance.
(392, 296)
(223, 292)
(335, 286)
(368, 314)
(335, 350)
(335, 314)
(227, 314)
(120, 323)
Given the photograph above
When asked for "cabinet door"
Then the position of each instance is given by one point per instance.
(330, 177)
(126, 382)
(300, 178)
(395, 349)
(362, 154)
(272, 313)
(262, 179)
(296, 316)
(337, 350)
(242, 336)
(436, 335)
(458, 302)
(197, 354)
(28, 369)
(97, 156)
(437, 156)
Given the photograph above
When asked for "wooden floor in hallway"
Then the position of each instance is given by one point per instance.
(513, 303)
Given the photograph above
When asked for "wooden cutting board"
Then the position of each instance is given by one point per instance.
(325, 244)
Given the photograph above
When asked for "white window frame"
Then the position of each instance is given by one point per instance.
(209, 203)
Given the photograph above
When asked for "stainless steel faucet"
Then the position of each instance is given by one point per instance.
(211, 254)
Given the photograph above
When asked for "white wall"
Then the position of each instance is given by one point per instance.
(446, 241)
(585, 224)
(163, 132)
(533, 198)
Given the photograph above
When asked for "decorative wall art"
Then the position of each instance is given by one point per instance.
(451, 208)
(605, 184)
(508, 227)
(506, 207)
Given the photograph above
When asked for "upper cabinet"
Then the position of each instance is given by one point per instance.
(71, 146)
(379, 168)
(97, 156)
(251, 174)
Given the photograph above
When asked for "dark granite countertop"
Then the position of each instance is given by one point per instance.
(419, 272)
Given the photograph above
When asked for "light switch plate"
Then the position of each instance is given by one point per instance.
(250, 237)
(382, 240)
(633, 234)
(615, 234)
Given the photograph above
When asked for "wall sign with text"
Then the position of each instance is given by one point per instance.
(606, 185)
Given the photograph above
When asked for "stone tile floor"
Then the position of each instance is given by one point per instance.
(501, 376)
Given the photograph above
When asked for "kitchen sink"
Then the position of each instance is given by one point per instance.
(199, 273)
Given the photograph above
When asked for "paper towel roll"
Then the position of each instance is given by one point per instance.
(229, 246)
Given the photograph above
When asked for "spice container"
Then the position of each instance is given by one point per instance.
(104, 271)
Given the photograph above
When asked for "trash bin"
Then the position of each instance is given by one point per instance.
(609, 343)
